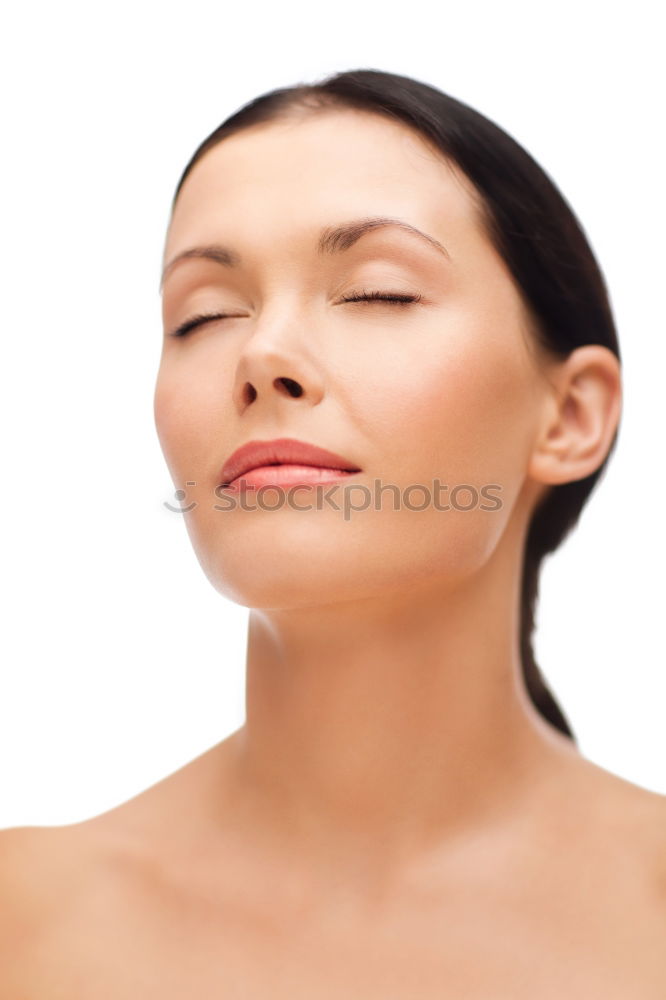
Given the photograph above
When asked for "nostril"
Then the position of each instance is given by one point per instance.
(293, 388)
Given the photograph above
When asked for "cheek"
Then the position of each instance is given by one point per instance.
(186, 410)
(460, 408)
(461, 411)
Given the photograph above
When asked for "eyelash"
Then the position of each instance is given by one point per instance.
(393, 298)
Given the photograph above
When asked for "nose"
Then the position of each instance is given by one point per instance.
(276, 365)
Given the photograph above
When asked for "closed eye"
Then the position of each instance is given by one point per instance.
(199, 320)
(393, 298)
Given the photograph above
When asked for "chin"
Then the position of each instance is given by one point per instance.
(282, 584)
(273, 561)
(291, 563)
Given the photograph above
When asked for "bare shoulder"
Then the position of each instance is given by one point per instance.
(42, 867)
(638, 807)
(626, 823)
(650, 816)
(48, 877)
(54, 874)
(28, 871)
(41, 870)
(31, 881)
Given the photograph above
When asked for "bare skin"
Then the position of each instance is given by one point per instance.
(565, 896)
(394, 819)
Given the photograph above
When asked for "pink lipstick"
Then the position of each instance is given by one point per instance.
(283, 462)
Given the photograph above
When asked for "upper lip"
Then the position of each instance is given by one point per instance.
(281, 451)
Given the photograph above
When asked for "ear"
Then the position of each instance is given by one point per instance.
(581, 412)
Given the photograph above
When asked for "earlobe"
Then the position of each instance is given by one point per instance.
(581, 415)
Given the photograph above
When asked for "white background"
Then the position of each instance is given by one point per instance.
(119, 661)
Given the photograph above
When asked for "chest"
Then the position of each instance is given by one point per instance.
(475, 946)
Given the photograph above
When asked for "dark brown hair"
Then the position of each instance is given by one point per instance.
(534, 230)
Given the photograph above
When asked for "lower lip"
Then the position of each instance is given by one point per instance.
(287, 475)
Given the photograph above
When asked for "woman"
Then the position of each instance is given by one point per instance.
(390, 380)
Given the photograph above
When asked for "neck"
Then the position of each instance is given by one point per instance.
(381, 728)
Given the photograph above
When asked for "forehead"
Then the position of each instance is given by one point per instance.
(287, 179)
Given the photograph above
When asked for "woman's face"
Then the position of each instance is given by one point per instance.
(446, 388)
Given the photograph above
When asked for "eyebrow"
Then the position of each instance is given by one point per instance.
(332, 240)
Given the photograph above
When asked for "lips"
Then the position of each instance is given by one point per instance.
(283, 451)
